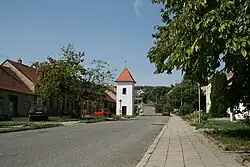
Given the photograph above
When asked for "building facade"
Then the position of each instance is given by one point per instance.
(125, 93)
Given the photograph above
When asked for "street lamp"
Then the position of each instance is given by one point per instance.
(120, 101)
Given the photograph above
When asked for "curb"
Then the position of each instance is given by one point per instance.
(151, 149)
(242, 161)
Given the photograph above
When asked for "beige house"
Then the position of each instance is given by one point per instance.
(17, 92)
(15, 97)
(28, 78)
(109, 102)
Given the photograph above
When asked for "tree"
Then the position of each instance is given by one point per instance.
(184, 96)
(67, 78)
(201, 35)
(153, 93)
(59, 79)
(219, 102)
(97, 79)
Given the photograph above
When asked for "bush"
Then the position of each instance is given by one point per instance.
(186, 109)
(158, 108)
(194, 117)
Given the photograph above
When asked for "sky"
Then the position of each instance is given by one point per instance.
(111, 30)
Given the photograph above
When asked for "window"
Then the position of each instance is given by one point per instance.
(57, 104)
(106, 104)
(1, 102)
(51, 103)
(124, 91)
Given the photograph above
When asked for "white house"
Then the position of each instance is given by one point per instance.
(125, 93)
(207, 92)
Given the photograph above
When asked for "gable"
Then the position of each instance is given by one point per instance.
(28, 71)
(9, 81)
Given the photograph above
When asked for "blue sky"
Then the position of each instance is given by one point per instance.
(110, 30)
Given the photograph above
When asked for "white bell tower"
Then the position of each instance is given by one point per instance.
(125, 93)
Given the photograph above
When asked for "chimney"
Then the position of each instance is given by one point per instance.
(19, 61)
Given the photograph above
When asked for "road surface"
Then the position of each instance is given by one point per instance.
(106, 144)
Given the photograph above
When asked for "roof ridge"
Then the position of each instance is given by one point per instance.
(20, 64)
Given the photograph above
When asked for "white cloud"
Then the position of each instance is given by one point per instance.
(137, 6)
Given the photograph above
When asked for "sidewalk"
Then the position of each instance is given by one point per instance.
(178, 145)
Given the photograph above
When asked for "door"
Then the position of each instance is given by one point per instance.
(124, 110)
(13, 105)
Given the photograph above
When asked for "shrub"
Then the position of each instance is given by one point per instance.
(219, 91)
(186, 109)
(158, 108)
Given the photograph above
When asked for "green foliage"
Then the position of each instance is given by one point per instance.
(186, 109)
(184, 93)
(61, 78)
(67, 78)
(159, 108)
(219, 90)
(201, 35)
(153, 94)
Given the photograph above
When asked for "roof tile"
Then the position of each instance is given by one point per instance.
(125, 76)
(28, 71)
(9, 81)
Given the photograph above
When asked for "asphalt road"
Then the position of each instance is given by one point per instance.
(106, 144)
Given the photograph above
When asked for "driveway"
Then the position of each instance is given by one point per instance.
(106, 144)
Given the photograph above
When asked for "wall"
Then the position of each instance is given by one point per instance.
(208, 99)
(24, 102)
(127, 100)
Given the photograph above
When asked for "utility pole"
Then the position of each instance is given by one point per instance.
(181, 96)
(156, 100)
(199, 98)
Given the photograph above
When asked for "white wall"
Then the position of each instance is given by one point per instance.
(208, 99)
(127, 100)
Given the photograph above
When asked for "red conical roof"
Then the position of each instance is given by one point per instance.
(125, 76)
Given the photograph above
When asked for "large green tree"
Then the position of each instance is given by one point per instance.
(184, 93)
(219, 92)
(61, 78)
(200, 35)
(68, 78)
(153, 94)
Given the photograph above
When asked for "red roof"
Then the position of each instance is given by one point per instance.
(29, 72)
(125, 76)
(9, 81)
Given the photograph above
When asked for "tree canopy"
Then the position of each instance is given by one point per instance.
(184, 93)
(201, 35)
(68, 78)
(153, 94)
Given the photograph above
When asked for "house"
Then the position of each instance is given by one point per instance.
(25, 78)
(15, 97)
(125, 93)
(109, 102)
(28, 77)
(207, 92)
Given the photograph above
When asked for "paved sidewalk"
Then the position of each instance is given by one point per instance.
(178, 145)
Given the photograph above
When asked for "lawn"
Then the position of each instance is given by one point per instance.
(51, 119)
(233, 136)
(22, 123)
(14, 126)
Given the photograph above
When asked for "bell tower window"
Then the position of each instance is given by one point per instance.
(124, 91)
